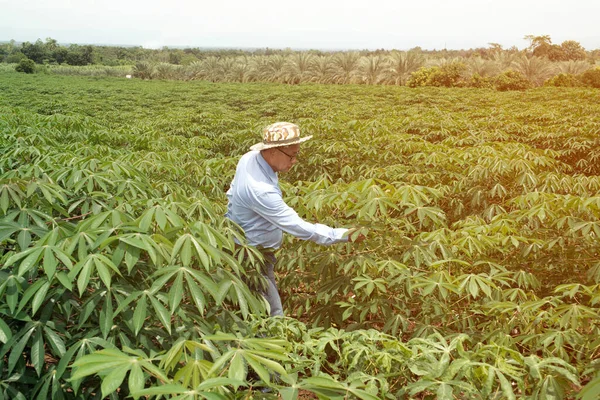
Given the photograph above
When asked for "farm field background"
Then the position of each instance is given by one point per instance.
(478, 279)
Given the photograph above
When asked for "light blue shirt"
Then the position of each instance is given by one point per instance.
(256, 205)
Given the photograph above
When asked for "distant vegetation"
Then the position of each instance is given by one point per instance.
(540, 63)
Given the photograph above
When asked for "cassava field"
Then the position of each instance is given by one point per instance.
(479, 278)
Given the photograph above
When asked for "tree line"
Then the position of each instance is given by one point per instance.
(51, 52)
(540, 63)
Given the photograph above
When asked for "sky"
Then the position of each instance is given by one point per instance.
(302, 24)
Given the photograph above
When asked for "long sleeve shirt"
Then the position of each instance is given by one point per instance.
(256, 205)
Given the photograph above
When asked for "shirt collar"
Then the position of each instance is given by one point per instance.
(266, 168)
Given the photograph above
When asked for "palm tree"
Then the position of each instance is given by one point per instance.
(345, 66)
(371, 69)
(276, 68)
(320, 69)
(504, 60)
(401, 65)
(211, 69)
(296, 67)
(481, 67)
(165, 70)
(535, 69)
(574, 67)
(195, 70)
(143, 70)
(240, 70)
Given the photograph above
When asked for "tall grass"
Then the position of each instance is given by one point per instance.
(394, 68)
(91, 70)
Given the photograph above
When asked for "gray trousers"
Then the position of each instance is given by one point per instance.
(271, 294)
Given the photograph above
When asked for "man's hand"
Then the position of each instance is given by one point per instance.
(355, 236)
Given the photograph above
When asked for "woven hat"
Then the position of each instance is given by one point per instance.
(280, 134)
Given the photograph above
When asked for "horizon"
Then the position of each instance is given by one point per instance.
(183, 47)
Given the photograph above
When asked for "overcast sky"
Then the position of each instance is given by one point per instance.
(317, 24)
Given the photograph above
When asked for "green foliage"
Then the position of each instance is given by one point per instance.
(26, 66)
(447, 75)
(564, 80)
(119, 276)
(511, 80)
(591, 77)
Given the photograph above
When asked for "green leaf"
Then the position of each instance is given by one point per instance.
(136, 378)
(30, 292)
(176, 292)
(114, 379)
(55, 341)
(39, 297)
(237, 369)
(49, 263)
(161, 390)
(507, 389)
(5, 332)
(17, 351)
(30, 261)
(37, 352)
(139, 315)
(258, 368)
(84, 275)
(12, 293)
(591, 391)
(106, 315)
(196, 294)
(64, 280)
(444, 392)
(163, 313)
(288, 393)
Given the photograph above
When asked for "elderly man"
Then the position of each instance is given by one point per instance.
(257, 206)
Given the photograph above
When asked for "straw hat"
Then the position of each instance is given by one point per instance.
(280, 134)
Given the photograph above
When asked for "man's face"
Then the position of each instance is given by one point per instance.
(285, 157)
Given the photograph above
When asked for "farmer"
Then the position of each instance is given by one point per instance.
(256, 204)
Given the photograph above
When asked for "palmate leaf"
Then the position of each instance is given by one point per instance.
(113, 365)
(160, 215)
(11, 189)
(201, 391)
(30, 258)
(94, 262)
(188, 246)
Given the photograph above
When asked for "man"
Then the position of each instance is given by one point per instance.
(257, 206)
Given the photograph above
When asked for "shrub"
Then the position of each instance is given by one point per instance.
(143, 70)
(563, 80)
(421, 76)
(511, 80)
(15, 58)
(478, 81)
(591, 77)
(448, 75)
(26, 65)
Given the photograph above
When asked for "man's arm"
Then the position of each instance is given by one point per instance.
(271, 206)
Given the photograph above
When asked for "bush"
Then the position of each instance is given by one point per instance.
(420, 77)
(511, 80)
(563, 80)
(15, 58)
(448, 75)
(26, 65)
(591, 77)
(478, 81)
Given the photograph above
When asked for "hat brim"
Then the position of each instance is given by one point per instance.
(264, 146)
